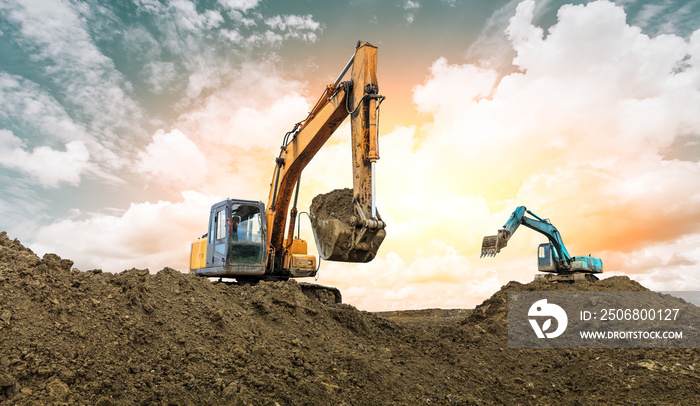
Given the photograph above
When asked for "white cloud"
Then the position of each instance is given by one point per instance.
(295, 26)
(293, 22)
(492, 48)
(48, 166)
(85, 79)
(26, 104)
(474, 83)
(410, 5)
(444, 279)
(42, 120)
(666, 266)
(173, 158)
(187, 17)
(147, 235)
(159, 75)
(231, 118)
(240, 5)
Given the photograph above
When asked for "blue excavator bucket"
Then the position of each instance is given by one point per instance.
(492, 244)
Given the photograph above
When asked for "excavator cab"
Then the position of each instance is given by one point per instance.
(545, 260)
(235, 244)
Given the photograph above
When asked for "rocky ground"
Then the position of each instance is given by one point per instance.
(94, 338)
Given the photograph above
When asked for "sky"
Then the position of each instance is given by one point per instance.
(121, 123)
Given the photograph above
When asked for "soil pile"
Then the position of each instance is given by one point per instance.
(72, 337)
(337, 204)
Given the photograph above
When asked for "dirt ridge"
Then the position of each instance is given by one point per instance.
(74, 337)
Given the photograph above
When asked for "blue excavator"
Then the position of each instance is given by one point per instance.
(552, 257)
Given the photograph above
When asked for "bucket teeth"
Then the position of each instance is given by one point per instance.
(489, 247)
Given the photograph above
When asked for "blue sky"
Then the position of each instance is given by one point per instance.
(120, 123)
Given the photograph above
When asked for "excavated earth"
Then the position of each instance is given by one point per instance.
(93, 338)
(337, 204)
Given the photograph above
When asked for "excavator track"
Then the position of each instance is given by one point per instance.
(324, 294)
(571, 277)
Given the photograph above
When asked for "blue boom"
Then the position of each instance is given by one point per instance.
(552, 256)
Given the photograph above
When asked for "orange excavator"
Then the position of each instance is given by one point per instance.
(246, 239)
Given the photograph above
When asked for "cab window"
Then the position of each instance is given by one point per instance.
(246, 224)
(221, 224)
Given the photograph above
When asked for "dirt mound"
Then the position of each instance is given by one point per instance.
(337, 204)
(493, 312)
(72, 337)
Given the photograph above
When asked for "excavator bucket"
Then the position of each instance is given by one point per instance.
(338, 241)
(489, 246)
(492, 244)
(340, 233)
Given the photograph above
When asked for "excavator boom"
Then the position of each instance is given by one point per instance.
(337, 240)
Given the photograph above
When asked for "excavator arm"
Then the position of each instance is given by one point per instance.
(492, 245)
(357, 98)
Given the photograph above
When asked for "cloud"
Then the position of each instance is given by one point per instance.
(667, 17)
(48, 166)
(159, 75)
(229, 117)
(444, 279)
(19, 198)
(410, 6)
(670, 266)
(147, 235)
(295, 26)
(239, 5)
(85, 80)
(229, 140)
(33, 115)
(174, 159)
(492, 49)
(24, 104)
(79, 87)
(188, 18)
